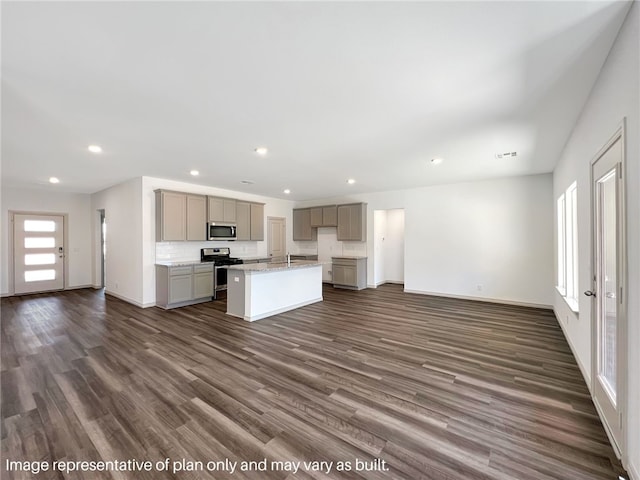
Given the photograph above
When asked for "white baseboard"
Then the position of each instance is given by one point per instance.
(78, 287)
(376, 285)
(482, 299)
(74, 287)
(277, 310)
(633, 471)
(129, 300)
(586, 374)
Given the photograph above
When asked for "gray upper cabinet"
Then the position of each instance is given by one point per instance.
(196, 217)
(257, 221)
(302, 229)
(222, 210)
(324, 216)
(180, 216)
(316, 216)
(243, 221)
(352, 222)
(250, 221)
(330, 216)
(171, 216)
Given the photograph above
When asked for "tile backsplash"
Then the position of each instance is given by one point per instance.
(188, 251)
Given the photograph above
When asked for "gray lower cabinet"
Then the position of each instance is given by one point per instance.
(349, 273)
(183, 285)
(202, 281)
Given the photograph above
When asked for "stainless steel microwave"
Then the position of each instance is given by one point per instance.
(221, 231)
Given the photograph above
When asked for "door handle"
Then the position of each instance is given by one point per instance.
(589, 293)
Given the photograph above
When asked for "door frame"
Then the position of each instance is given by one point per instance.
(620, 448)
(11, 271)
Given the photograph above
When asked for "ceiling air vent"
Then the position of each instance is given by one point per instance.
(506, 155)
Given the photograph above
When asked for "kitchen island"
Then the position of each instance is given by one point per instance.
(260, 290)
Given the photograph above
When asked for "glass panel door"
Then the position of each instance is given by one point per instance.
(607, 309)
(38, 253)
(606, 192)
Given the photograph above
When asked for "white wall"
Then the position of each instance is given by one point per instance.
(614, 97)
(394, 246)
(274, 207)
(494, 233)
(79, 246)
(379, 232)
(388, 246)
(122, 204)
(490, 239)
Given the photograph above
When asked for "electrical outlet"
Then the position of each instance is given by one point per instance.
(116, 285)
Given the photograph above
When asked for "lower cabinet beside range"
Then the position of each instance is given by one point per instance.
(183, 284)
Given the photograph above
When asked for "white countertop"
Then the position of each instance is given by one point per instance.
(183, 263)
(273, 267)
(252, 257)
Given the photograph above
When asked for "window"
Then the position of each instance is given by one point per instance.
(562, 270)
(567, 216)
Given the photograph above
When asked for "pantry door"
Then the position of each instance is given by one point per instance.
(38, 253)
(276, 237)
(608, 293)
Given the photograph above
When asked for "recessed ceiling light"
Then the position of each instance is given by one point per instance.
(261, 150)
(286, 191)
(95, 148)
(195, 173)
(54, 180)
(436, 161)
(351, 181)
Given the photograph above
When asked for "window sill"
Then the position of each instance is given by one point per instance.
(573, 304)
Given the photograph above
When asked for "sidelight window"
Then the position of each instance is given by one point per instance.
(567, 244)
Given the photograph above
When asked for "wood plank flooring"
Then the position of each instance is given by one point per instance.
(436, 388)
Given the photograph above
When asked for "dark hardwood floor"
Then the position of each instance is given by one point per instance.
(436, 388)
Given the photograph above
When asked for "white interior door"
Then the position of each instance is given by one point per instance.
(38, 259)
(608, 307)
(276, 239)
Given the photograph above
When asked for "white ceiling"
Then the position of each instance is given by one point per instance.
(335, 90)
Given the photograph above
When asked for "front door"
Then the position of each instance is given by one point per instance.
(608, 296)
(276, 239)
(38, 253)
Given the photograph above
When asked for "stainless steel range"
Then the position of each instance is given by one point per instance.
(220, 257)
